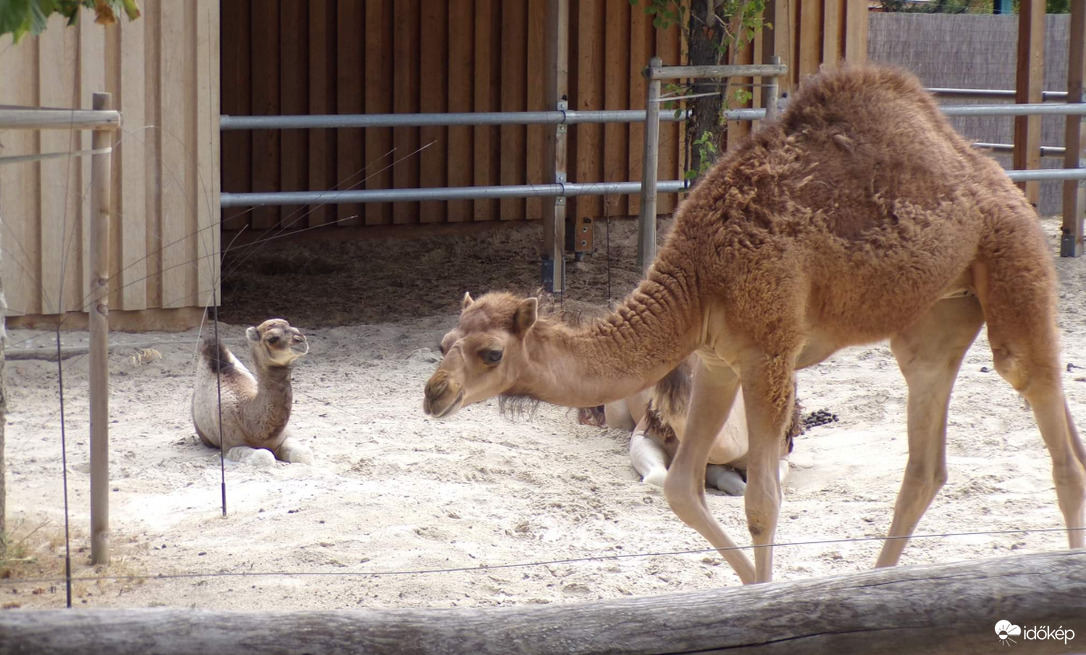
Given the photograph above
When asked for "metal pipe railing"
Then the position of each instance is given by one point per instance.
(32, 118)
(1042, 174)
(1011, 94)
(1046, 151)
(1031, 109)
(332, 121)
(441, 193)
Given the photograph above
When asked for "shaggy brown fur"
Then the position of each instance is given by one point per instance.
(858, 215)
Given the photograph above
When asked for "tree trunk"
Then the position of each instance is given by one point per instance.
(705, 38)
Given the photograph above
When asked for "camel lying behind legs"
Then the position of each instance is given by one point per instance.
(255, 409)
(857, 215)
(657, 419)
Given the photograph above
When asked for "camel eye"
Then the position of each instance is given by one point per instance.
(273, 339)
(490, 357)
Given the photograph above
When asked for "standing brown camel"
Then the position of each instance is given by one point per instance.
(858, 215)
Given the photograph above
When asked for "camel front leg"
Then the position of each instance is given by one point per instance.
(768, 396)
(929, 355)
(714, 389)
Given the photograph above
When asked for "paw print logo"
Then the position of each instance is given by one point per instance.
(1005, 630)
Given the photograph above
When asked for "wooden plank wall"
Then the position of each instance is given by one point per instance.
(382, 56)
(162, 70)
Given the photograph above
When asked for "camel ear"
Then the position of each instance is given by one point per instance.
(252, 334)
(526, 314)
(467, 302)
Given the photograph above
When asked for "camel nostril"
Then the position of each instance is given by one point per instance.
(437, 387)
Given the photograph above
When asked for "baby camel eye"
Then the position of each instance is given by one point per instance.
(490, 356)
(273, 339)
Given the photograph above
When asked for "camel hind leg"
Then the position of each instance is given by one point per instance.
(1019, 306)
(711, 399)
(929, 355)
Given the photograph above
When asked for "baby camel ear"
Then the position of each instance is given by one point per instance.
(467, 302)
(252, 334)
(526, 314)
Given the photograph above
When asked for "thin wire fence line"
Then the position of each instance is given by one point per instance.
(514, 565)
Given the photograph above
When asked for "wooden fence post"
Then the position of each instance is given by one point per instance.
(99, 338)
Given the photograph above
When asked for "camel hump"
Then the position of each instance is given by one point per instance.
(218, 357)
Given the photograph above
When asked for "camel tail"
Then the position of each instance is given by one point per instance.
(218, 357)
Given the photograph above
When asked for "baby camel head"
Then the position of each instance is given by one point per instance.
(483, 354)
(275, 343)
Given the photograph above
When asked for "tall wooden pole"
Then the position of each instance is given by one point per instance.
(99, 339)
(646, 234)
(556, 96)
(3, 413)
(1029, 83)
(1074, 200)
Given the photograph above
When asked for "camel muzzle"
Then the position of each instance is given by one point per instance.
(438, 389)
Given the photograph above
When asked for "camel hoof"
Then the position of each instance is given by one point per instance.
(298, 455)
(251, 456)
(656, 477)
(725, 479)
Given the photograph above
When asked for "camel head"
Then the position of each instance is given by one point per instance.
(483, 354)
(275, 343)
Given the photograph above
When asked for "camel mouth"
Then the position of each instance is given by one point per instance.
(301, 348)
(449, 409)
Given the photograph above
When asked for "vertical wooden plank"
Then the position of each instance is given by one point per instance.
(130, 159)
(265, 79)
(175, 139)
(206, 148)
(810, 37)
(1029, 82)
(92, 79)
(588, 166)
(61, 253)
(153, 179)
(833, 24)
(294, 100)
(487, 71)
(1074, 193)
(641, 44)
(616, 136)
(112, 71)
(514, 38)
(355, 158)
(433, 94)
(378, 100)
(322, 100)
(856, 29)
(237, 145)
(405, 90)
(537, 9)
(669, 48)
(461, 160)
(20, 263)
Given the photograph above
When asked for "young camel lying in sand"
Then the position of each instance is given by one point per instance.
(255, 409)
(657, 418)
(857, 215)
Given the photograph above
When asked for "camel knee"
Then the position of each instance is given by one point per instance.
(927, 478)
(294, 452)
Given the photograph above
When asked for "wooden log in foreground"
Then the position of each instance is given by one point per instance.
(946, 609)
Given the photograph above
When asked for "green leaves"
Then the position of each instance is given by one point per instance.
(19, 17)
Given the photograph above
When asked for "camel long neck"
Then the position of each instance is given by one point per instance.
(651, 332)
(270, 409)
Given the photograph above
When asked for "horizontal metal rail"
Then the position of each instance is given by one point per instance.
(737, 70)
(948, 92)
(257, 199)
(441, 193)
(311, 121)
(31, 118)
(1042, 174)
(1046, 151)
(1034, 109)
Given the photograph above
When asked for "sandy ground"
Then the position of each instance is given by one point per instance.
(404, 511)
